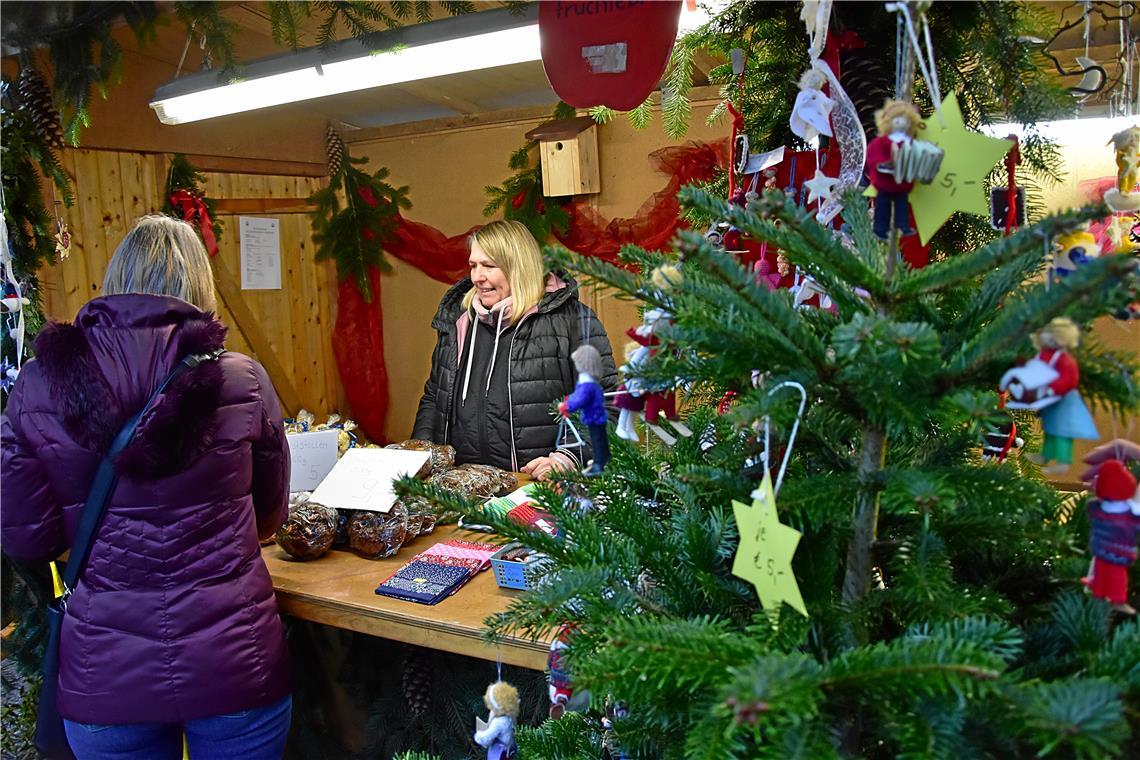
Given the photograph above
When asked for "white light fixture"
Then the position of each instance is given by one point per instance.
(1097, 130)
(449, 46)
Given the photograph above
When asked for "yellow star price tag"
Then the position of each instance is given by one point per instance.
(970, 156)
(764, 557)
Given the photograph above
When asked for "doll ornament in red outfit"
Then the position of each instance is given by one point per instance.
(897, 122)
(1048, 384)
(1114, 519)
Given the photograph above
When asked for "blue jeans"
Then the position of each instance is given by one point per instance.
(257, 734)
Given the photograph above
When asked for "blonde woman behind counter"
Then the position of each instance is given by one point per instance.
(506, 333)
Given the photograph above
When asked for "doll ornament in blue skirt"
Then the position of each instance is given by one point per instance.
(589, 399)
(1048, 384)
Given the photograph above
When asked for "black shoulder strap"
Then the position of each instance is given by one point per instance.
(106, 478)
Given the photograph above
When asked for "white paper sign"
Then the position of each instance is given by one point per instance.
(260, 253)
(313, 456)
(362, 478)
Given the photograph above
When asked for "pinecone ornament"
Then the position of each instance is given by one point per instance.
(37, 102)
(869, 80)
(415, 683)
(334, 146)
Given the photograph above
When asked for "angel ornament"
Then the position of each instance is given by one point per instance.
(1124, 197)
(811, 113)
(497, 733)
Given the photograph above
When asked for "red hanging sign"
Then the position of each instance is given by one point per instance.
(606, 52)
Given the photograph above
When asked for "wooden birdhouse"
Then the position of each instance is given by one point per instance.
(568, 151)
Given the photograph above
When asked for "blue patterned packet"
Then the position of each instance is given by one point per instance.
(424, 582)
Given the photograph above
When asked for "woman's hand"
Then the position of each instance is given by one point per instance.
(540, 468)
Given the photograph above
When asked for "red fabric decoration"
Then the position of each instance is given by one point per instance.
(566, 28)
(193, 210)
(438, 256)
(358, 345)
(658, 218)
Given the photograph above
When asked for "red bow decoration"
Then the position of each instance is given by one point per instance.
(192, 206)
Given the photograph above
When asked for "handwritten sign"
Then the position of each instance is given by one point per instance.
(958, 185)
(764, 556)
(313, 456)
(362, 478)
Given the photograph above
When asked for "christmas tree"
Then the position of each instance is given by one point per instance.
(945, 617)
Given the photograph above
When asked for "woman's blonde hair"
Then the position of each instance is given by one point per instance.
(515, 251)
(162, 256)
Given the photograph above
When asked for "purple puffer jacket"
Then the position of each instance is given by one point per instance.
(174, 616)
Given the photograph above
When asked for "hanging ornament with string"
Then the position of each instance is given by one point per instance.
(764, 556)
(1007, 204)
(62, 235)
(838, 114)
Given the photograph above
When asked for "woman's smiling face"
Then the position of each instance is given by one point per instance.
(491, 284)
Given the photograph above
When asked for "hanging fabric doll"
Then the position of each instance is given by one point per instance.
(559, 685)
(497, 733)
(588, 399)
(660, 400)
(1048, 384)
(1114, 519)
(630, 400)
(897, 122)
(812, 110)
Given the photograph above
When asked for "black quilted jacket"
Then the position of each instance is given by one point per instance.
(539, 366)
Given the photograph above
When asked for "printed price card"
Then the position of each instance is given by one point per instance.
(362, 478)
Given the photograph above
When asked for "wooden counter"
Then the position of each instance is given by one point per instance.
(339, 590)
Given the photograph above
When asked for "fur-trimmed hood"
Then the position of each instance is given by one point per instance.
(96, 365)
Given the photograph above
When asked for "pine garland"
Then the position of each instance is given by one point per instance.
(26, 152)
(520, 197)
(183, 176)
(354, 235)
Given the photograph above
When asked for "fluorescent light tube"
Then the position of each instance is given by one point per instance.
(481, 51)
(471, 42)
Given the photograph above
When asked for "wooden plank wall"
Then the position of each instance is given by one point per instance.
(114, 188)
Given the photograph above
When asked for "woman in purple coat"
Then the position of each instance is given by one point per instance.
(173, 628)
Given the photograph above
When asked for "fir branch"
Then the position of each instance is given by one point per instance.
(912, 666)
(797, 235)
(1085, 716)
(602, 114)
(1034, 310)
(958, 269)
(640, 117)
